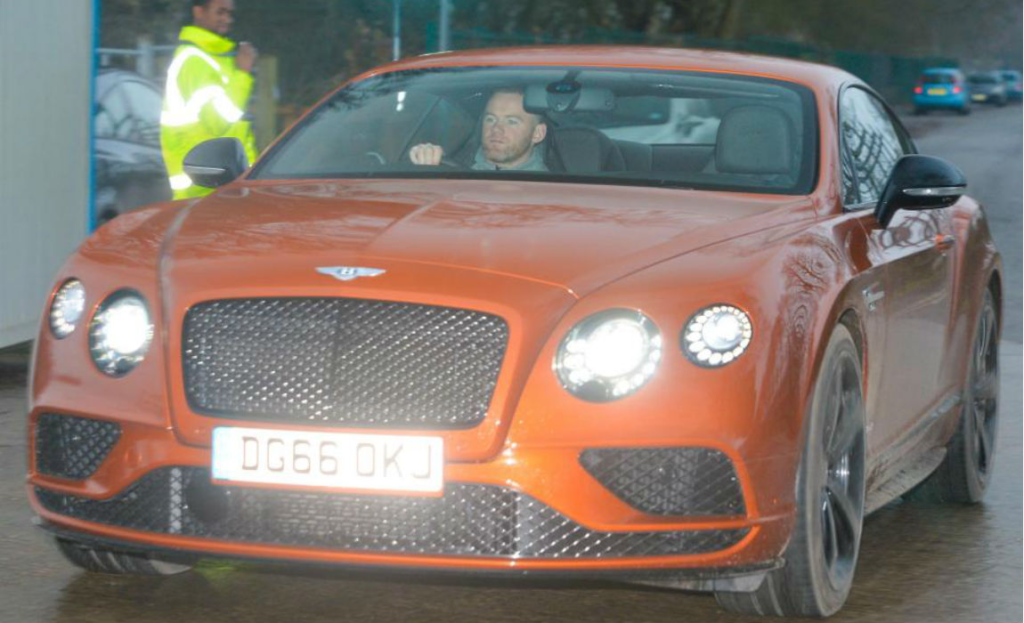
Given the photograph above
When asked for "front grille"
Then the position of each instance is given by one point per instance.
(72, 447)
(668, 481)
(469, 520)
(335, 360)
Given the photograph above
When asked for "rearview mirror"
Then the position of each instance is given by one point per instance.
(567, 96)
(216, 162)
(920, 183)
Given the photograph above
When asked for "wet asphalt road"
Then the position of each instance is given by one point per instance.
(918, 562)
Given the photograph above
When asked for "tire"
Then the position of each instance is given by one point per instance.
(920, 111)
(822, 553)
(964, 474)
(966, 110)
(101, 560)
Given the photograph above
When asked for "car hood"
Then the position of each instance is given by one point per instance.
(571, 236)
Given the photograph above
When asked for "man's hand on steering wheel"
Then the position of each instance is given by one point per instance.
(426, 154)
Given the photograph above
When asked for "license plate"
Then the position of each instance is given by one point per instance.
(978, 98)
(385, 463)
(937, 91)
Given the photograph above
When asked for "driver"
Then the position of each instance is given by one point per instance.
(511, 138)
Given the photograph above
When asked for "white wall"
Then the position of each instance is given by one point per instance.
(45, 78)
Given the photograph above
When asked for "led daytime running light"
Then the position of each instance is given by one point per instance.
(716, 335)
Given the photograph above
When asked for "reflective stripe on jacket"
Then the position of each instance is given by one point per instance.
(204, 98)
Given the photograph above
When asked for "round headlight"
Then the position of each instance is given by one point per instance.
(120, 333)
(608, 355)
(67, 308)
(716, 335)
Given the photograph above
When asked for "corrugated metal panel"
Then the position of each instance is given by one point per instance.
(45, 77)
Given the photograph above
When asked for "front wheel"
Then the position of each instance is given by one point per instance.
(822, 554)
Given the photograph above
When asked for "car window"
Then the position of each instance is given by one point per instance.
(112, 115)
(682, 129)
(145, 103)
(103, 123)
(871, 146)
(982, 79)
(938, 78)
(661, 120)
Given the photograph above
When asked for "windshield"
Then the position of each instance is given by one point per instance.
(580, 125)
(938, 78)
(982, 79)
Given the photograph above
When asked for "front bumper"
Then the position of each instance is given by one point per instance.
(536, 509)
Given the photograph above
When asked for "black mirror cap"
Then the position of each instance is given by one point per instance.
(216, 162)
(920, 183)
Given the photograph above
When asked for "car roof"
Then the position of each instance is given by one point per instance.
(635, 57)
(942, 70)
(110, 76)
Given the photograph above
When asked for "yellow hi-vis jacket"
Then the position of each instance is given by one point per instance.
(205, 98)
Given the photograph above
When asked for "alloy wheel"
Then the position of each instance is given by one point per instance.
(983, 393)
(842, 493)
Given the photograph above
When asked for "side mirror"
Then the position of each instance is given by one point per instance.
(216, 162)
(920, 183)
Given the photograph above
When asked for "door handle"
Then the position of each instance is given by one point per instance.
(945, 241)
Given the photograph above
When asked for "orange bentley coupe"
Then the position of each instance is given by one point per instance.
(666, 316)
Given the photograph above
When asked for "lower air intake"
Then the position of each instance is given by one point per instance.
(469, 520)
(72, 447)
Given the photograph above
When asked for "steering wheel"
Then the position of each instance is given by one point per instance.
(375, 157)
(449, 163)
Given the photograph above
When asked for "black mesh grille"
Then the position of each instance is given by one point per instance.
(72, 447)
(668, 481)
(351, 361)
(470, 520)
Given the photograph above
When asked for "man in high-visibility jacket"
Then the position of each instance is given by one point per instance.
(208, 84)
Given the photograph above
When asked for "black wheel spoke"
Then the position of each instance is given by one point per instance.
(986, 385)
(989, 329)
(978, 415)
(984, 446)
(833, 404)
(847, 514)
(829, 526)
(986, 341)
(846, 429)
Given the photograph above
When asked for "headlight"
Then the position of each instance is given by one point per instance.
(716, 335)
(67, 307)
(120, 333)
(608, 355)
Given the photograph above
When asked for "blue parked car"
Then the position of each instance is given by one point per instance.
(1012, 79)
(942, 88)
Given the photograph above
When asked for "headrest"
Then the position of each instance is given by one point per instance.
(754, 139)
(583, 151)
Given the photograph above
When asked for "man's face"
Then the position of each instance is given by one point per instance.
(509, 132)
(217, 16)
